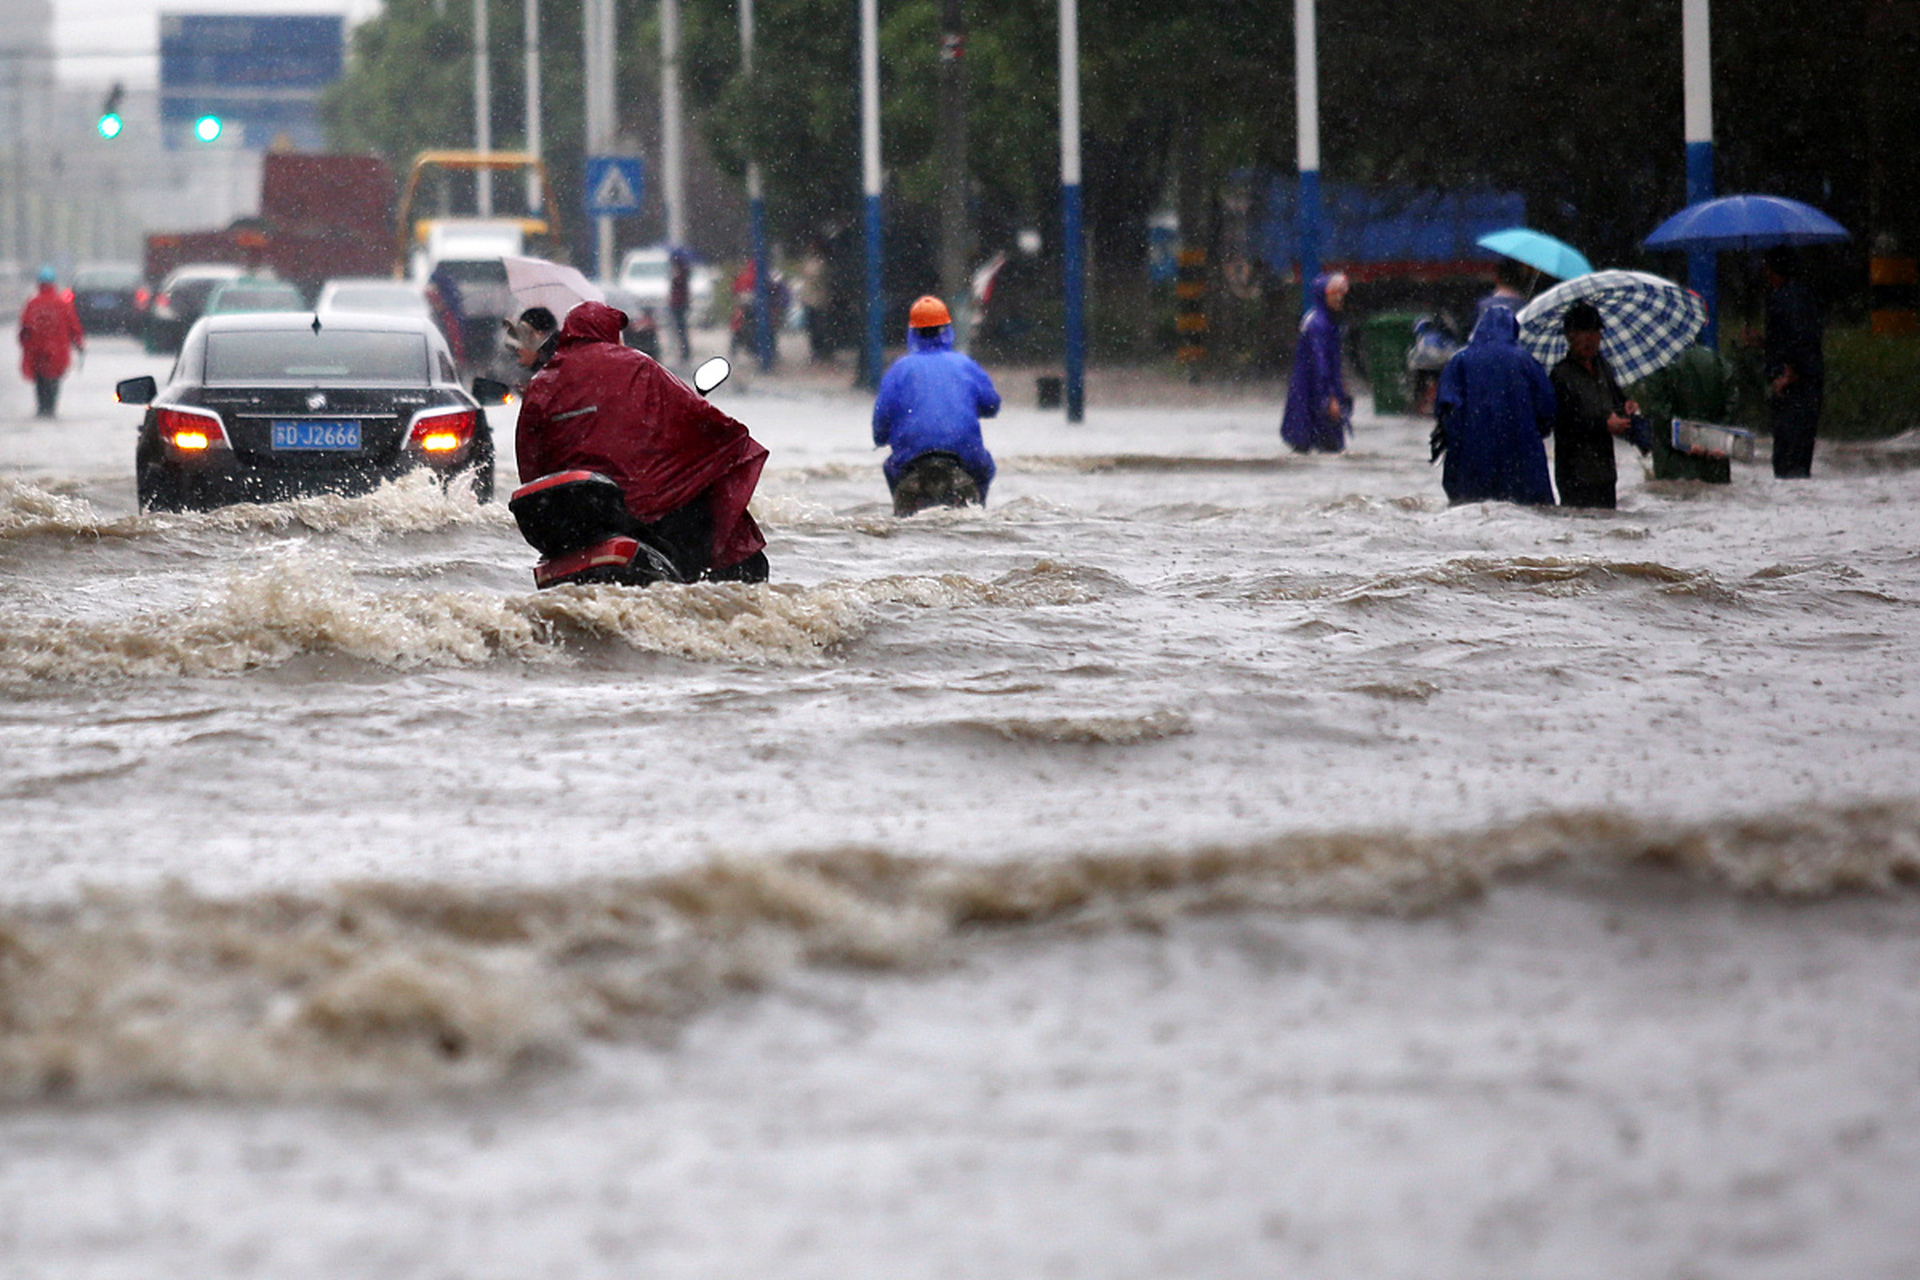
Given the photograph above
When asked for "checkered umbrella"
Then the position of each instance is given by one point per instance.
(1646, 321)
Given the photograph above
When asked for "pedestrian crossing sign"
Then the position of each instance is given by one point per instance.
(615, 185)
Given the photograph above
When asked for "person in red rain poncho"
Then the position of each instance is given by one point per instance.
(687, 469)
(49, 332)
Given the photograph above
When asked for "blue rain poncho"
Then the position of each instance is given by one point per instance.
(1316, 380)
(932, 399)
(1495, 403)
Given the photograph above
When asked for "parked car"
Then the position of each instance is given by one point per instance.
(647, 275)
(373, 294)
(263, 407)
(110, 297)
(250, 293)
(180, 299)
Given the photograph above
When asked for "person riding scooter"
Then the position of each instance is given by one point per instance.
(929, 412)
(685, 470)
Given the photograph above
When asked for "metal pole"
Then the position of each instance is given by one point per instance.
(673, 177)
(763, 328)
(1306, 105)
(1073, 258)
(531, 14)
(956, 240)
(1702, 266)
(870, 177)
(482, 109)
(597, 33)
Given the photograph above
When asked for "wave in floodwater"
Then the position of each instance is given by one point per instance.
(379, 988)
(307, 603)
(412, 504)
(1092, 730)
(1538, 575)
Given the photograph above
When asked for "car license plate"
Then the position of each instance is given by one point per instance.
(315, 433)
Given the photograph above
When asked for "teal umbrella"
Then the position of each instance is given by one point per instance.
(1538, 250)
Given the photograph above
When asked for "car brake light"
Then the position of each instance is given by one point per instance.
(443, 431)
(140, 298)
(190, 431)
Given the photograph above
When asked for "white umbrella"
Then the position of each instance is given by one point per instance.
(535, 282)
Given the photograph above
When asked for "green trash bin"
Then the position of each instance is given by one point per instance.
(1384, 340)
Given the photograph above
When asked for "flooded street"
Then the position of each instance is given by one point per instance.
(1201, 862)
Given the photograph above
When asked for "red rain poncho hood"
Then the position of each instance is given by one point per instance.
(601, 406)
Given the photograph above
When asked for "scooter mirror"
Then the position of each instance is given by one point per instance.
(711, 374)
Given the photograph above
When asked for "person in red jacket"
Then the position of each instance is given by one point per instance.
(687, 470)
(49, 333)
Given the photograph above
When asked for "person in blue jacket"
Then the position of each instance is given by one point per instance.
(1319, 411)
(929, 412)
(1495, 405)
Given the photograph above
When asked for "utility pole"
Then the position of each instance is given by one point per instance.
(531, 17)
(674, 174)
(1072, 250)
(482, 110)
(1697, 81)
(763, 330)
(1306, 106)
(870, 180)
(597, 33)
(956, 232)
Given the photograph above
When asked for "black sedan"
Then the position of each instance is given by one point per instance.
(110, 297)
(266, 406)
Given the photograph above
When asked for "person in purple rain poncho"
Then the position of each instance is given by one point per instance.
(1319, 410)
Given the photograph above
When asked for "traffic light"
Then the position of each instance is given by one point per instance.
(110, 123)
(207, 128)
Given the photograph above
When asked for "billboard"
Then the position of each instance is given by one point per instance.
(260, 76)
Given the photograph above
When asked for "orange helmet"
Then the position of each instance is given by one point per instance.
(928, 313)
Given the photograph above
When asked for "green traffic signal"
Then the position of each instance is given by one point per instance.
(110, 123)
(207, 128)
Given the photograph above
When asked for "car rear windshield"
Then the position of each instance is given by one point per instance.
(473, 270)
(331, 355)
(107, 278)
(399, 300)
(231, 299)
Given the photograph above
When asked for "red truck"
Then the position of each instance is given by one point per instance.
(320, 216)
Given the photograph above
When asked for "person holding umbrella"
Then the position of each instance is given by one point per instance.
(1591, 411)
(1795, 365)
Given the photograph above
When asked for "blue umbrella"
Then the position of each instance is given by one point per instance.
(1745, 222)
(1542, 252)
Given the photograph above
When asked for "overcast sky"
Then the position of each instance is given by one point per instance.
(100, 41)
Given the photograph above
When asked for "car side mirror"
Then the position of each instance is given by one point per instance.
(135, 391)
(711, 374)
(490, 392)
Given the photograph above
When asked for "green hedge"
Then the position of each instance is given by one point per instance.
(1873, 385)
